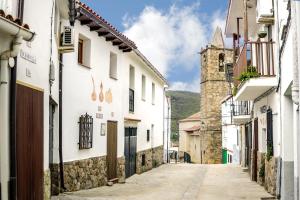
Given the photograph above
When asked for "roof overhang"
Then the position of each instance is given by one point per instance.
(104, 29)
(235, 12)
(255, 87)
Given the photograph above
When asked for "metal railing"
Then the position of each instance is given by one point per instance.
(241, 108)
(258, 55)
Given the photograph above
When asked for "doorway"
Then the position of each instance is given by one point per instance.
(255, 150)
(112, 141)
(30, 143)
(130, 151)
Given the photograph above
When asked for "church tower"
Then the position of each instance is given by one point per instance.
(214, 89)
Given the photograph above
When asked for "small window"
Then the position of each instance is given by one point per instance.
(84, 51)
(131, 100)
(113, 71)
(153, 93)
(143, 87)
(143, 159)
(221, 62)
(148, 135)
(132, 77)
(85, 131)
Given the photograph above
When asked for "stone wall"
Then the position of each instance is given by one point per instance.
(271, 175)
(47, 186)
(121, 169)
(153, 158)
(80, 175)
(261, 168)
(158, 156)
(148, 161)
(211, 147)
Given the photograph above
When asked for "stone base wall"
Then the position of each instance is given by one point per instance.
(47, 186)
(121, 169)
(158, 156)
(211, 148)
(153, 158)
(80, 175)
(261, 168)
(271, 175)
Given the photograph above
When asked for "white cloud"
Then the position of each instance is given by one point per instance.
(172, 39)
(168, 37)
(193, 86)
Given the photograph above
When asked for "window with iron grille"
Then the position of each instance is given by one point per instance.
(131, 100)
(85, 131)
(148, 135)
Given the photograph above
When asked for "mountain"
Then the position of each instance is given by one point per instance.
(183, 104)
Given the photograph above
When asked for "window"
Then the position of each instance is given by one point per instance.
(153, 93)
(84, 51)
(113, 71)
(132, 77)
(143, 87)
(148, 135)
(131, 100)
(143, 159)
(221, 62)
(85, 131)
(80, 51)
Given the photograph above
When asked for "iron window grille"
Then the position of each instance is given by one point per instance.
(85, 131)
(131, 100)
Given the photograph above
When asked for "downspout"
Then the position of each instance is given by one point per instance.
(12, 187)
(295, 86)
(4, 116)
(61, 161)
(168, 127)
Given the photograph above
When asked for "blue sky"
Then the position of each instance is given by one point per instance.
(169, 32)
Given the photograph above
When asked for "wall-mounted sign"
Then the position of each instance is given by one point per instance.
(27, 56)
(103, 129)
(99, 116)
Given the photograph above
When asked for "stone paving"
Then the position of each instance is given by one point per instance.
(179, 182)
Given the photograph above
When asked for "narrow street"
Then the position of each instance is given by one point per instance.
(179, 182)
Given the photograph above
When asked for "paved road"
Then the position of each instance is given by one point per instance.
(179, 182)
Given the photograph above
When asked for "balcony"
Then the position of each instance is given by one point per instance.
(241, 111)
(254, 70)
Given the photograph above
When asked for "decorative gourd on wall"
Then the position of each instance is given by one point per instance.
(101, 95)
(94, 95)
(108, 96)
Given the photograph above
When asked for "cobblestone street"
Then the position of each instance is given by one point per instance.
(179, 182)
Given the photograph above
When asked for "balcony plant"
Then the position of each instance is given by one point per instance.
(250, 73)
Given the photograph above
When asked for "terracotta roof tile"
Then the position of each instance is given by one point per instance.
(16, 21)
(194, 117)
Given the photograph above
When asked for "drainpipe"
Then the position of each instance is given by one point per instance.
(297, 124)
(4, 114)
(168, 127)
(295, 86)
(60, 145)
(164, 99)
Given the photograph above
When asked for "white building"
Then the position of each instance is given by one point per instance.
(88, 110)
(266, 39)
(230, 133)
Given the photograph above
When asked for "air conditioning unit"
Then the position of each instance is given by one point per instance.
(265, 11)
(67, 44)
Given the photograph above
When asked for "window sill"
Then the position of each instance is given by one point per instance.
(84, 65)
(113, 78)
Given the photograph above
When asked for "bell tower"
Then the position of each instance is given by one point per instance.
(214, 89)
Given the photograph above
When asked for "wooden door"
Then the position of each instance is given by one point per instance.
(112, 131)
(255, 149)
(29, 142)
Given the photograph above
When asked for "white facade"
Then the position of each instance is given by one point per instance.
(230, 133)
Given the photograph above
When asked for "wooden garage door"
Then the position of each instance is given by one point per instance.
(29, 143)
(112, 131)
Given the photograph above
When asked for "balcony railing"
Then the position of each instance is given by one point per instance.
(241, 108)
(131, 100)
(259, 55)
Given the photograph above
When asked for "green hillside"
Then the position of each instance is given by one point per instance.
(183, 105)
